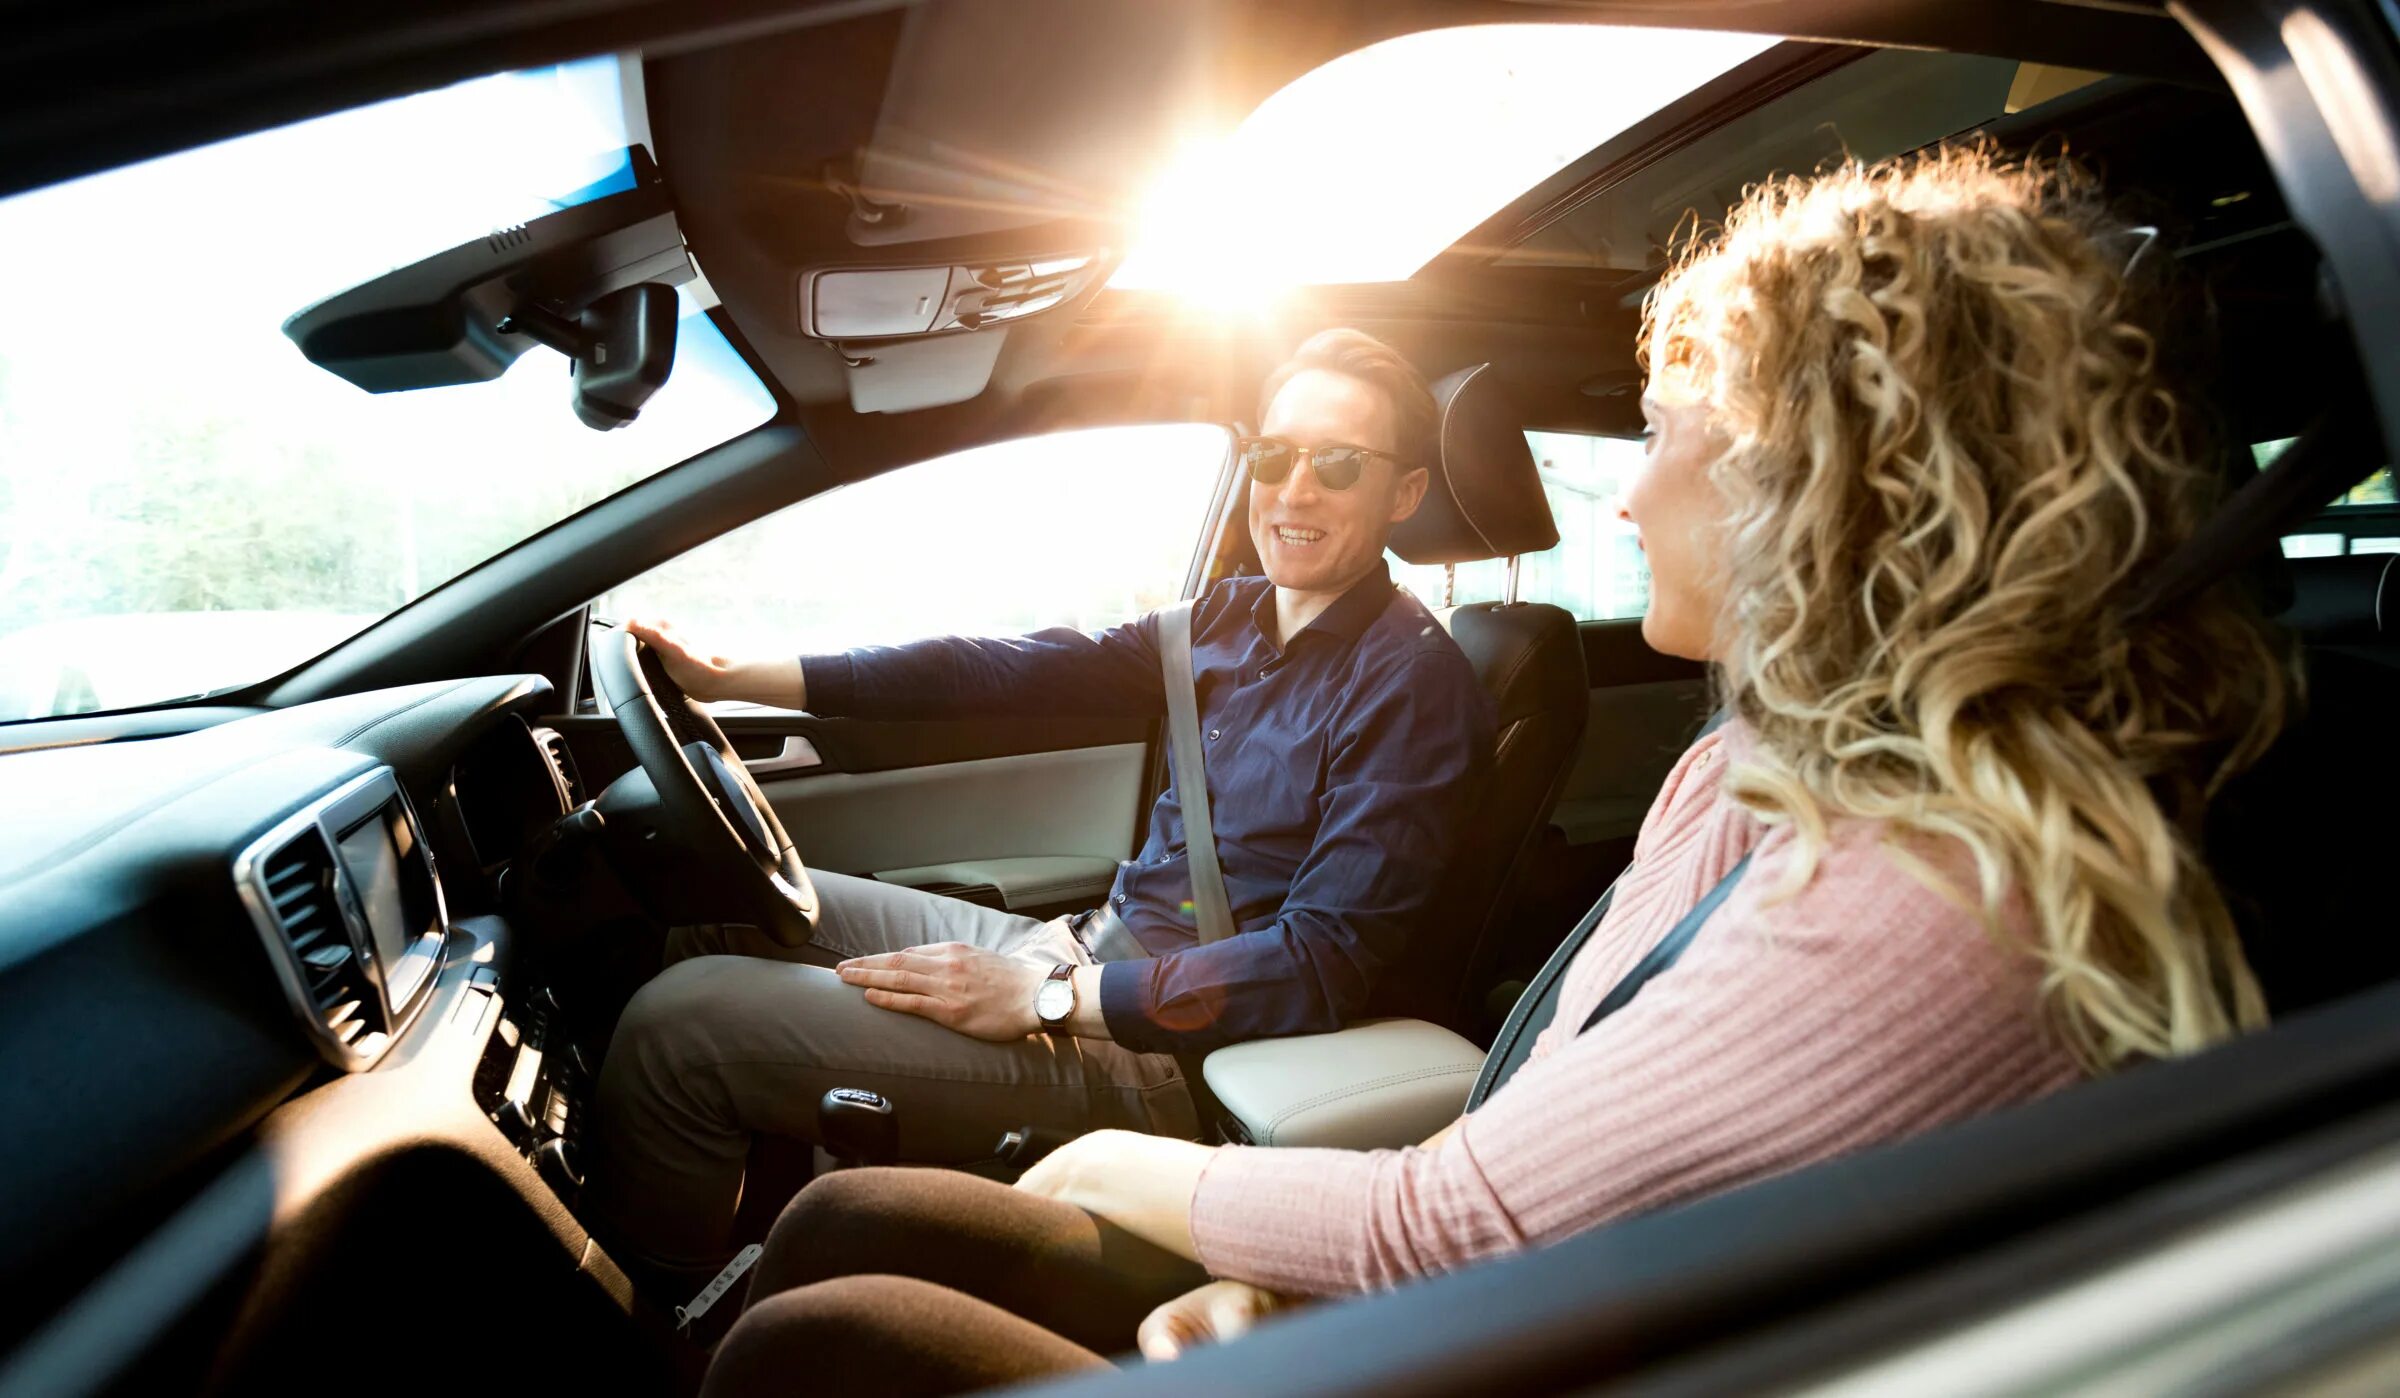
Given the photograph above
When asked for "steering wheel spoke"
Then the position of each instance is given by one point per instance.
(713, 810)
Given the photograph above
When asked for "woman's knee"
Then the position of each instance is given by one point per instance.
(842, 1224)
(885, 1334)
(808, 1335)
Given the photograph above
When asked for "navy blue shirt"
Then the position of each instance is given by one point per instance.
(1340, 771)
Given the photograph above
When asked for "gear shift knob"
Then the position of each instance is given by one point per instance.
(858, 1127)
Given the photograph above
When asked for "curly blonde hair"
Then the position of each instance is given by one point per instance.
(1950, 449)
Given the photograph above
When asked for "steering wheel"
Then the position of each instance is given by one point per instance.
(711, 809)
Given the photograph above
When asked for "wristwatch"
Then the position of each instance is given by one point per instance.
(1054, 1003)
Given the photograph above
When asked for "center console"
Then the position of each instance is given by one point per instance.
(533, 1081)
(1377, 1084)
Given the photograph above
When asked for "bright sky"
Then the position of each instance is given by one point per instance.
(164, 286)
(154, 325)
(1364, 169)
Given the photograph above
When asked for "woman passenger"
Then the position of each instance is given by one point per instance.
(1907, 446)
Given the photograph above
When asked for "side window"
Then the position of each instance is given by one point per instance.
(1084, 529)
(1597, 571)
(2376, 489)
(2365, 520)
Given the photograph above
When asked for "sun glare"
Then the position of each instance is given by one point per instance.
(1364, 169)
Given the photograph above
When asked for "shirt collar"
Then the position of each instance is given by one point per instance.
(1349, 616)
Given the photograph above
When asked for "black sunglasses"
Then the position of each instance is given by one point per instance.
(1271, 461)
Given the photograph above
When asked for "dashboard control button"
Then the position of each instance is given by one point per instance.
(515, 1121)
(557, 1169)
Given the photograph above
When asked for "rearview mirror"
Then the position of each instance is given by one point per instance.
(623, 346)
(594, 281)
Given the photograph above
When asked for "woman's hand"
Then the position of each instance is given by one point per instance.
(1204, 1315)
(1142, 1184)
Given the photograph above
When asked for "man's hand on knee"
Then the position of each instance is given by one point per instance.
(966, 988)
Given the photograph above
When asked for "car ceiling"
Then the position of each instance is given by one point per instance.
(752, 105)
(1034, 128)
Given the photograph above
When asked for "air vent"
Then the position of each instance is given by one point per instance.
(297, 883)
(562, 763)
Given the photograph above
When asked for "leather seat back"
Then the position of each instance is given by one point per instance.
(1486, 501)
(2301, 843)
(2349, 604)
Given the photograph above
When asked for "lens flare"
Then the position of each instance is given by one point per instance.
(1366, 168)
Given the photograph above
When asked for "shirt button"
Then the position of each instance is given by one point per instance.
(1214, 734)
(1120, 900)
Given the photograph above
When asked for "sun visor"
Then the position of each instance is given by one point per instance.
(905, 375)
(1001, 117)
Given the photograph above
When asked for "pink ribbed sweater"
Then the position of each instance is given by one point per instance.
(1864, 1007)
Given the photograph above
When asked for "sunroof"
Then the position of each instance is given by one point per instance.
(1366, 168)
(1880, 103)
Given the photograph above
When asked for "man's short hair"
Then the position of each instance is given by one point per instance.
(1359, 355)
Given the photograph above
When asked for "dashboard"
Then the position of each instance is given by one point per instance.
(247, 968)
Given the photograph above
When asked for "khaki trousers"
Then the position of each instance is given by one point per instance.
(740, 1036)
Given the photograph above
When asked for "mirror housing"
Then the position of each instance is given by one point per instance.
(593, 281)
(633, 350)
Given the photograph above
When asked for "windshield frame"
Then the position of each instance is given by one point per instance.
(96, 630)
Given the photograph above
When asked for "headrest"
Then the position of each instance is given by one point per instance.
(1485, 499)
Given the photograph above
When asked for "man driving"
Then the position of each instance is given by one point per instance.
(1345, 736)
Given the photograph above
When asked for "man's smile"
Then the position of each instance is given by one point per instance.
(1294, 536)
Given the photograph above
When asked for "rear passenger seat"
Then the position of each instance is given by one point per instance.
(2305, 843)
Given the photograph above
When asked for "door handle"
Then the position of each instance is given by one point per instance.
(797, 755)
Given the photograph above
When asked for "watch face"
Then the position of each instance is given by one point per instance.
(1055, 1001)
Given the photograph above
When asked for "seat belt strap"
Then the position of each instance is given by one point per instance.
(1526, 1019)
(1539, 1000)
(1210, 907)
(1669, 950)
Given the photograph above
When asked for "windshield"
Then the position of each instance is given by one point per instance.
(188, 505)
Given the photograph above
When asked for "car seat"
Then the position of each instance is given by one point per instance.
(1485, 501)
(2300, 842)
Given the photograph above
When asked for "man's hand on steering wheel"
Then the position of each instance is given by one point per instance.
(706, 676)
(703, 674)
(710, 830)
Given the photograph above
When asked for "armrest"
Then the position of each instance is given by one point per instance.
(1380, 1082)
(1023, 881)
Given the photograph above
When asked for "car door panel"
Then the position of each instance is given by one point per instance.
(1645, 706)
(878, 745)
(1632, 738)
(1036, 885)
(1050, 819)
(1031, 815)
(1027, 814)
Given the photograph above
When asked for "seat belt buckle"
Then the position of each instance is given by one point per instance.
(718, 1285)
